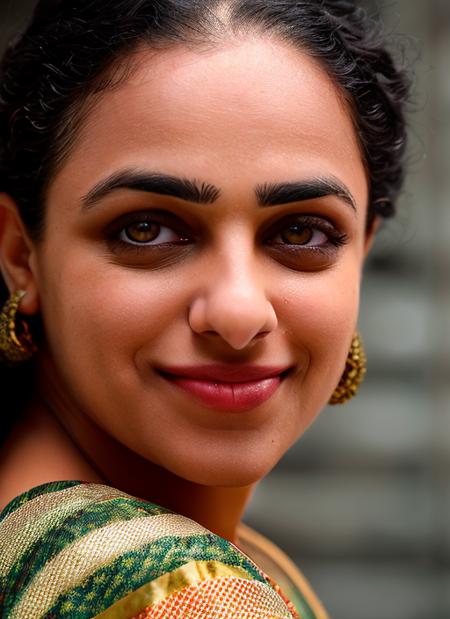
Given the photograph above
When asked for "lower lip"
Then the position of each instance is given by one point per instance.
(228, 397)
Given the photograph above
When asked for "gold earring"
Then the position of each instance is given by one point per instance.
(355, 369)
(16, 344)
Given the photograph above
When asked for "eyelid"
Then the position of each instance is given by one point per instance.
(118, 246)
(163, 218)
(308, 220)
(189, 237)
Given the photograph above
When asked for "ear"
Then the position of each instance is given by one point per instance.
(371, 233)
(17, 253)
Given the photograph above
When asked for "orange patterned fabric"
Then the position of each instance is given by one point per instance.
(226, 598)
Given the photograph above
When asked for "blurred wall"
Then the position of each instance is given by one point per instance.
(362, 501)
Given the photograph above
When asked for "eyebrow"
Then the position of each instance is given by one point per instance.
(268, 194)
(272, 194)
(163, 184)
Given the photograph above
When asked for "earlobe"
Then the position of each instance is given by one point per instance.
(16, 255)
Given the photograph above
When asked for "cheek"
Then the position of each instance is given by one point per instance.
(114, 311)
(322, 306)
(319, 315)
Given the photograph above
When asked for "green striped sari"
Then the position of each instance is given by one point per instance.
(82, 551)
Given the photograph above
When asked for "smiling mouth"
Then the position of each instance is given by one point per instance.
(244, 389)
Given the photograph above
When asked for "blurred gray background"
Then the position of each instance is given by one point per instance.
(362, 502)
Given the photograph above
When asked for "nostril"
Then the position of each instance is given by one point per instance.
(239, 324)
(261, 335)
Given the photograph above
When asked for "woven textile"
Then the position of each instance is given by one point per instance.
(83, 551)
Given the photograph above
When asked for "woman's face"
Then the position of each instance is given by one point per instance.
(208, 227)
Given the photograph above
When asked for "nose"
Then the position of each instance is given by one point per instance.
(233, 304)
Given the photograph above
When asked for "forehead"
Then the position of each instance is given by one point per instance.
(251, 106)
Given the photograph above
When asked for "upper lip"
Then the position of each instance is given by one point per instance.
(226, 373)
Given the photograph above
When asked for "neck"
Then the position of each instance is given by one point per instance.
(97, 457)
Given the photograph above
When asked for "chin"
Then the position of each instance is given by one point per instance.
(227, 477)
(222, 469)
(221, 458)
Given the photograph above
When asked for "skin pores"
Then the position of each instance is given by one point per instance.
(226, 282)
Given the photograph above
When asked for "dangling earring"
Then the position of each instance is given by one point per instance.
(355, 369)
(16, 344)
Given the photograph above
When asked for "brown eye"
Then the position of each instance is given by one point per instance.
(142, 232)
(297, 234)
(302, 234)
(305, 243)
(148, 232)
(306, 232)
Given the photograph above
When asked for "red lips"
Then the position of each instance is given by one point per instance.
(229, 388)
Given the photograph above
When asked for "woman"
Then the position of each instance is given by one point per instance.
(189, 191)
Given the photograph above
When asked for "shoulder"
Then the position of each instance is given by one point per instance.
(69, 549)
(284, 572)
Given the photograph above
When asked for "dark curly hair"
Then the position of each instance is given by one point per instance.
(66, 55)
(73, 50)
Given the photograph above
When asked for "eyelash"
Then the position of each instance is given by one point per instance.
(162, 219)
(335, 238)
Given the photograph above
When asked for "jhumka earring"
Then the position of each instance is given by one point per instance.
(355, 369)
(16, 344)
